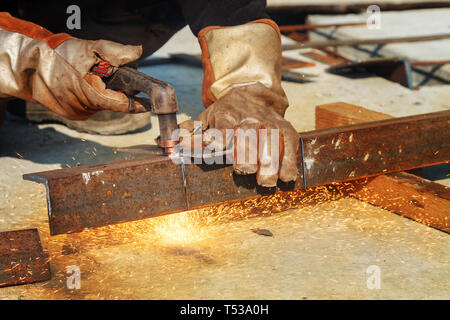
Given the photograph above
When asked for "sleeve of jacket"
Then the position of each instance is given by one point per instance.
(22, 44)
(200, 14)
(53, 69)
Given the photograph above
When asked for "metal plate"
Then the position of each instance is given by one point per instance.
(22, 259)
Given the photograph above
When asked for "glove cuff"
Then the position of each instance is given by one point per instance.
(31, 30)
(60, 65)
(239, 56)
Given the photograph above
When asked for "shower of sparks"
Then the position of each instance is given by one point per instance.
(179, 228)
(186, 228)
(192, 230)
(198, 229)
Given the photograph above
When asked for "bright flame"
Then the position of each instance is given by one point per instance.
(179, 228)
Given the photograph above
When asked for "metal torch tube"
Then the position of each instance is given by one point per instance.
(167, 124)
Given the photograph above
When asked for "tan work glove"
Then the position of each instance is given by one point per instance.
(242, 90)
(53, 69)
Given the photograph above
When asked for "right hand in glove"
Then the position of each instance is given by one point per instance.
(252, 108)
(242, 90)
(53, 69)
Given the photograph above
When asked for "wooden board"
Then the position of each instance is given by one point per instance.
(291, 63)
(403, 193)
(344, 114)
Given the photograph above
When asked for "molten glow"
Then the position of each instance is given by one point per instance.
(178, 228)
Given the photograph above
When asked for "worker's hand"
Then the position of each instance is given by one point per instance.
(54, 69)
(252, 107)
(242, 91)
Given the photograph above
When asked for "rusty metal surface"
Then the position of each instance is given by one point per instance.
(127, 190)
(346, 153)
(21, 258)
(102, 194)
(209, 184)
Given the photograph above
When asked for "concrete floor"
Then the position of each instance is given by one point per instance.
(317, 252)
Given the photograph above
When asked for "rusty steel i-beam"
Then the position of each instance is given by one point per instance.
(102, 194)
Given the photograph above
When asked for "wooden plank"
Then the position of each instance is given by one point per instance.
(410, 196)
(402, 193)
(291, 63)
(340, 114)
(298, 36)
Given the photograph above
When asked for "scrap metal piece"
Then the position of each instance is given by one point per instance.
(127, 190)
(262, 232)
(393, 69)
(22, 259)
(296, 77)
